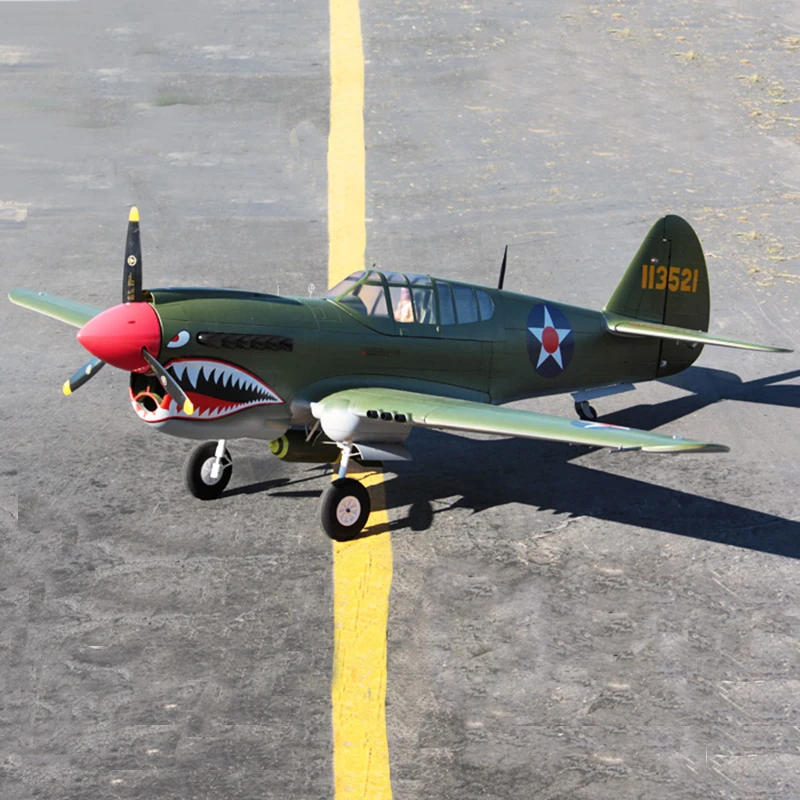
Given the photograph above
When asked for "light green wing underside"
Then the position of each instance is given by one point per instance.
(633, 327)
(442, 413)
(69, 311)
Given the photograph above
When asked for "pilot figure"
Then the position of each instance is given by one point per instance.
(404, 311)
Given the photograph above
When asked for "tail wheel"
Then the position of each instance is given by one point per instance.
(345, 509)
(585, 411)
(198, 470)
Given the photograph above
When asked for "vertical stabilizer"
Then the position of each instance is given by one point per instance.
(667, 283)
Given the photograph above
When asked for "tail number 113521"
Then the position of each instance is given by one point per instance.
(676, 279)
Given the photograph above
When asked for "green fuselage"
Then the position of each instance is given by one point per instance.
(304, 349)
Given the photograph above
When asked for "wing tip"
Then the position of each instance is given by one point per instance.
(763, 348)
(688, 447)
(714, 448)
(134, 215)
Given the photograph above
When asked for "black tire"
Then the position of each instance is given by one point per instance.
(585, 411)
(345, 509)
(197, 472)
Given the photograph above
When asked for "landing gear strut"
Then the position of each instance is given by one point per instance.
(585, 411)
(345, 504)
(208, 470)
(583, 407)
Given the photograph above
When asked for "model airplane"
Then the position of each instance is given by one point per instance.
(348, 375)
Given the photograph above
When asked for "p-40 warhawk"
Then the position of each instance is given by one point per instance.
(348, 375)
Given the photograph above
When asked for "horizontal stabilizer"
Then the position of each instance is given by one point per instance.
(69, 311)
(625, 326)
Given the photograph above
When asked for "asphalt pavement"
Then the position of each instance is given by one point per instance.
(563, 623)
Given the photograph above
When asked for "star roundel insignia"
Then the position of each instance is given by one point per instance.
(550, 340)
(131, 261)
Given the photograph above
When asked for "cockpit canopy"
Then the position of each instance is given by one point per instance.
(412, 299)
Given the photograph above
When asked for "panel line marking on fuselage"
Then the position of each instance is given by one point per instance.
(362, 570)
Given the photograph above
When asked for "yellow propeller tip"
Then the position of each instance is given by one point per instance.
(188, 408)
(66, 388)
(134, 215)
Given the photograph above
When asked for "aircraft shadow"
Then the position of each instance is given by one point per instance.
(257, 488)
(708, 386)
(278, 483)
(489, 474)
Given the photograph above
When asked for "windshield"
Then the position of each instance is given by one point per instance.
(410, 299)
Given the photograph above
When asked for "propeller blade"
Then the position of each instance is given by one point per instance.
(132, 271)
(170, 384)
(87, 371)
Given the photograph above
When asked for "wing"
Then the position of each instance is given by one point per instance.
(430, 411)
(632, 327)
(69, 311)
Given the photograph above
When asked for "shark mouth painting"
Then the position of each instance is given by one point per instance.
(217, 389)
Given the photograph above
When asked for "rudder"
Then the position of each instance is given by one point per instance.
(667, 283)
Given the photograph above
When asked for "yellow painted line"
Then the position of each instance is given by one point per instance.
(362, 570)
(362, 578)
(347, 228)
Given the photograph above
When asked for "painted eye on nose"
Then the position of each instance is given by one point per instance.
(179, 339)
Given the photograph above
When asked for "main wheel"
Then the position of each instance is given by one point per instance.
(197, 472)
(345, 508)
(585, 411)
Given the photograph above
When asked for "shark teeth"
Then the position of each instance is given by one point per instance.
(217, 389)
(192, 371)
